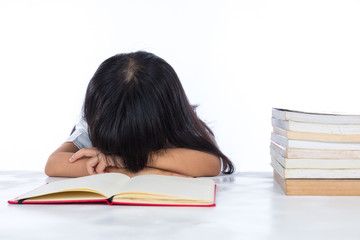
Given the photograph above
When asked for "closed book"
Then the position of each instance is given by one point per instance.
(316, 127)
(289, 143)
(116, 188)
(296, 173)
(321, 137)
(315, 153)
(315, 163)
(319, 187)
(330, 118)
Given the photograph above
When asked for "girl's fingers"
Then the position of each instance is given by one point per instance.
(119, 162)
(110, 162)
(104, 162)
(91, 165)
(101, 166)
(84, 152)
(96, 162)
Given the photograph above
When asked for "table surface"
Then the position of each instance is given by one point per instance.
(249, 206)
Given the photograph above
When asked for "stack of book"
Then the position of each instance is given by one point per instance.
(316, 154)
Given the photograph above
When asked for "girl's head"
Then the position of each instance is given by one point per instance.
(135, 105)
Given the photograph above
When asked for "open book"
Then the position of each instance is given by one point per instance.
(117, 188)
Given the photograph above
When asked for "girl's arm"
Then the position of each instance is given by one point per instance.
(178, 162)
(173, 161)
(58, 164)
(83, 164)
(146, 170)
(181, 161)
(187, 162)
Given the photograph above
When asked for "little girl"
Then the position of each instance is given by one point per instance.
(138, 120)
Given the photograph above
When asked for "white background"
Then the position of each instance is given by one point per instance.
(237, 59)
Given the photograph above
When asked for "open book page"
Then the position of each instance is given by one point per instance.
(166, 187)
(106, 185)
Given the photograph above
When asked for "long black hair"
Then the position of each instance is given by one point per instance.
(135, 105)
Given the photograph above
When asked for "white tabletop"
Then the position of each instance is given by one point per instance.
(249, 206)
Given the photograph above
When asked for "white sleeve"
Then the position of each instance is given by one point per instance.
(80, 136)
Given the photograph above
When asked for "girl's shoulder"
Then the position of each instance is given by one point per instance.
(81, 124)
(80, 136)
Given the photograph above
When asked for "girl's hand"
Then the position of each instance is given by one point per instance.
(96, 162)
(145, 171)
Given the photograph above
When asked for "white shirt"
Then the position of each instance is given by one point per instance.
(80, 136)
